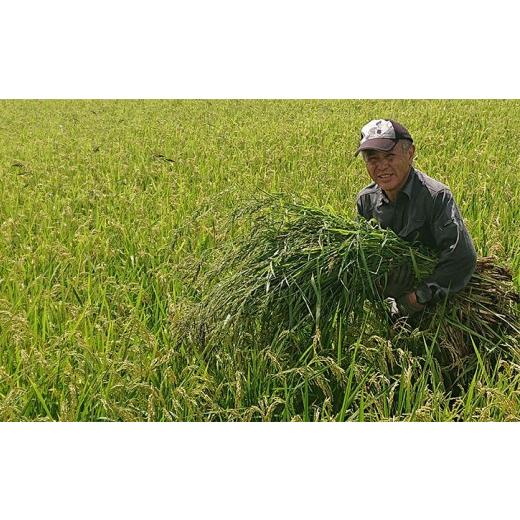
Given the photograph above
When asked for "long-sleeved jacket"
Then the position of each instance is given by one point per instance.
(425, 211)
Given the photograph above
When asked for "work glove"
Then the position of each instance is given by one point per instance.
(399, 282)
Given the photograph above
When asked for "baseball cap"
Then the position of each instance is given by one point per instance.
(382, 134)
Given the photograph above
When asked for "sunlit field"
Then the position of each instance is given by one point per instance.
(110, 209)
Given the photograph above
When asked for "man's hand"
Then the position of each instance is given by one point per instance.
(399, 282)
(408, 304)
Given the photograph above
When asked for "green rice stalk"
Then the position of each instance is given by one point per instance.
(311, 273)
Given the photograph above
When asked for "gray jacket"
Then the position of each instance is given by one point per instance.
(425, 211)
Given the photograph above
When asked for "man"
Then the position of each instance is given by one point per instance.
(415, 207)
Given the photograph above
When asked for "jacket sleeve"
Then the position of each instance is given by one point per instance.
(362, 209)
(457, 255)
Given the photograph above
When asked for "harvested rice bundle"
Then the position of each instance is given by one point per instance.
(305, 271)
(484, 314)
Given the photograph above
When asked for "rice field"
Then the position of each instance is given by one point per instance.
(110, 209)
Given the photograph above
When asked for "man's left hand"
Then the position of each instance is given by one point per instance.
(408, 304)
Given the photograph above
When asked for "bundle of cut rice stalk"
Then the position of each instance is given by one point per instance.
(309, 272)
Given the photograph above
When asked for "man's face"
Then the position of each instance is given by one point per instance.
(389, 169)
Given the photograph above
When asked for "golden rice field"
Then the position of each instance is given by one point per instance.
(109, 206)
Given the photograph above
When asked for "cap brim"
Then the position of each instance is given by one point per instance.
(382, 144)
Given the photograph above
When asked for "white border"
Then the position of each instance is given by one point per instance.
(268, 49)
(236, 471)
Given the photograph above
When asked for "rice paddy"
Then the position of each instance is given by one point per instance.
(113, 217)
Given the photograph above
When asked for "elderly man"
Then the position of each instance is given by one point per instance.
(415, 207)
